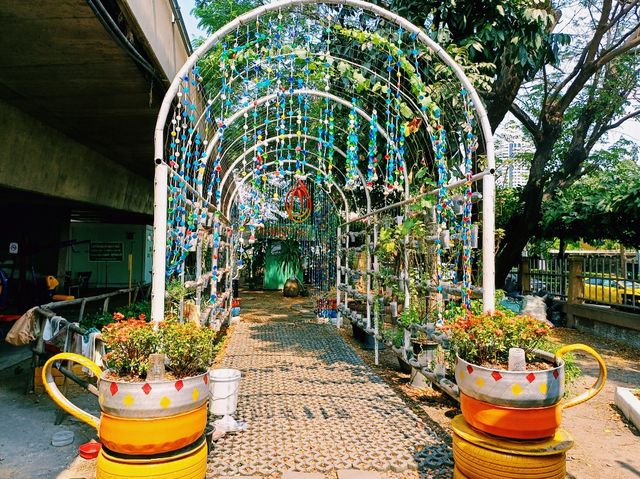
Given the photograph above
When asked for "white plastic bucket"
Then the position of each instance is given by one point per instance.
(224, 385)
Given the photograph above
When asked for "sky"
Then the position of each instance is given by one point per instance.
(630, 130)
(190, 21)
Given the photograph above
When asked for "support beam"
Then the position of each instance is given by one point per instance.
(38, 158)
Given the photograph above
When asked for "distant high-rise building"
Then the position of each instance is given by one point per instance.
(511, 143)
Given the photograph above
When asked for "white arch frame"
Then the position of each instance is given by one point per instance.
(235, 162)
(243, 180)
(161, 169)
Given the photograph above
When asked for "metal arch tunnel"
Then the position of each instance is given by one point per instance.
(161, 170)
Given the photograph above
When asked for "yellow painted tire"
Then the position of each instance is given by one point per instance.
(475, 462)
(145, 436)
(457, 474)
(190, 466)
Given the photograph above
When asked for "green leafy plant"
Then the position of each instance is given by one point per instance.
(398, 337)
(189, 350)
(409, 317)
(485, 339)
(137, 310)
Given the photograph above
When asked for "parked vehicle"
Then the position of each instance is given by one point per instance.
(605, 290)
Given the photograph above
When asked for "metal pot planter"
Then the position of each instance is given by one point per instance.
(520, 404)
(139, 418)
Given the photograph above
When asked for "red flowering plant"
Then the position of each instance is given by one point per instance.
(485, 338)
(188, 349)
(129, 342)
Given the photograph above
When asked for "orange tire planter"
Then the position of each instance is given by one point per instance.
(521, 404)
(137, 436)
(511, 422)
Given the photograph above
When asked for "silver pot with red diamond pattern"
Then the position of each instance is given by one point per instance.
(513, 388)
(139, 418)
(152, 398)
(521, 404)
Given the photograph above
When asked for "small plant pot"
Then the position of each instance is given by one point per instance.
(208, 434)
(369, 342)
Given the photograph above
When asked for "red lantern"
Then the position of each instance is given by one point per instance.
(302, 210)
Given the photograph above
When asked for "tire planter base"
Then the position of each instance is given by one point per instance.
(187, 463)
(479, 456)
(511, 423)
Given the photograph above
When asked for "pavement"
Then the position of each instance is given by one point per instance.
(313, 406)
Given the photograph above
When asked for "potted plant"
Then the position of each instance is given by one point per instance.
(518, 404)
(144, 413)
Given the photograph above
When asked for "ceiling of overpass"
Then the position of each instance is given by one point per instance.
(60, 64)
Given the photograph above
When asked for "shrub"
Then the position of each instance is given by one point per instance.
(189, 349)
(486, 338)
(129, 342)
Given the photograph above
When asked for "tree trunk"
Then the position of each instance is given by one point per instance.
(505, 89)
(522, 227)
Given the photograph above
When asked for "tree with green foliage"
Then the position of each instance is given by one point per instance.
(568, 88)
(214, 14)
(602, 205)
(568, 83)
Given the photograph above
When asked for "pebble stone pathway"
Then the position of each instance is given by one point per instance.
(312, 405)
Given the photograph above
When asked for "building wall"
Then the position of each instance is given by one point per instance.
(111, 270)
(161, 30)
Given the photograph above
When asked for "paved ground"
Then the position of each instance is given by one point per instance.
(302, 384)
(312, 404)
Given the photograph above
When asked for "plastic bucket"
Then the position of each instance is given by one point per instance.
(224, 385)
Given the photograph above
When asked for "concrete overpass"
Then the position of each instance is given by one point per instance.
(80, 86)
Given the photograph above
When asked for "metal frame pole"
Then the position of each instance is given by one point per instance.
(338, 276)
(159, 267)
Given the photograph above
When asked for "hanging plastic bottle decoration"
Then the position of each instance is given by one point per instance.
(298, 203)
(352, 148)
(372, 177)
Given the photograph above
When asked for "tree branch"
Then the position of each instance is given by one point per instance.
(633, 40)
(526, 121)
(616, 124)
(589, 51)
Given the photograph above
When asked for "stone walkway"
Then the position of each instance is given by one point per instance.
(312, 405)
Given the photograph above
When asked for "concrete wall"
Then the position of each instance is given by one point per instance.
(157, 23)
(38, 158)
(605, 322)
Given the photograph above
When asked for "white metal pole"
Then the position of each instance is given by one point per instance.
(338, 277)
(488, 243)
(376, 317)
(367, 239)
(159, 241)
(346, 264)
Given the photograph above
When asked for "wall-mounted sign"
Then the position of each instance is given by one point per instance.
(106, 251)
(13, 248)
